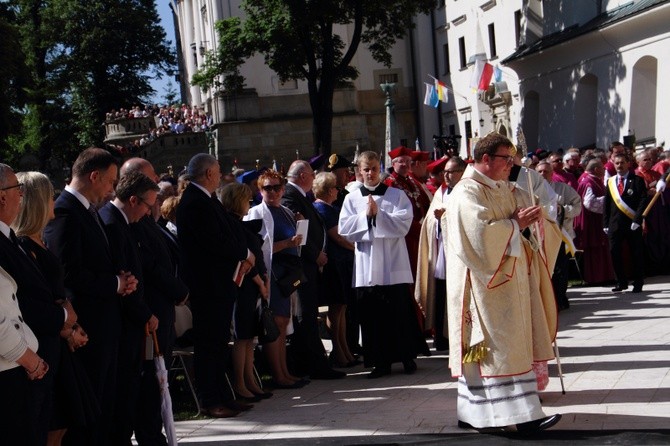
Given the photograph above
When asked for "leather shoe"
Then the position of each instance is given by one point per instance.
(483, 430)
(295, 385)
(263, 395)
(238, 406)
(530, 427)
(637, 289)
(220, 412)
(380, 371)
(247, 399)
(328, 374)
(618, 288)
(409, 366)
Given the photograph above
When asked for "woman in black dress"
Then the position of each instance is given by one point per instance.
(236, 198)
(74, 403)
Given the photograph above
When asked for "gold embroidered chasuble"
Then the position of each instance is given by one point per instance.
(488, 293)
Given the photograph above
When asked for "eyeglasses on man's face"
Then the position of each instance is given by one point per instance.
(17, 185)
(509, 158)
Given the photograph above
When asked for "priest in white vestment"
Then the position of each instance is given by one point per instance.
(489, 308)
(376, 218)
(430, 291)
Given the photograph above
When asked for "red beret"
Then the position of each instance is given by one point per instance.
(437, 165)
(400, 151)
(418, 155)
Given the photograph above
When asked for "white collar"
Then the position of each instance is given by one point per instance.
(304, 194)
(83, 200)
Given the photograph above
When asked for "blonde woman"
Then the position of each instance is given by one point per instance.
(73, 401)
(235, 197)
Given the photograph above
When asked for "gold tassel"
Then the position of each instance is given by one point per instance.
(476, 353)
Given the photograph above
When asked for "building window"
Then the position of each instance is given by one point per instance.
(291, 84)
(517, 27)
(461, 50)
(452, 129)
(492, 40)
(388, 78)
(445, 52)
(468, 130)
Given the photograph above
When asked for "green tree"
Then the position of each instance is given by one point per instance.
(113, 49)
(83, 59)
(13, 74)
(298, 40)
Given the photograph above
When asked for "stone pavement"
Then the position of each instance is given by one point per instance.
(615, 356)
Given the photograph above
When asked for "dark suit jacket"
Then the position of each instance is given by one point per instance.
(90, 272)
(211, 242)
(36, 300)
(316, 234)
(162, 288)
(125, 250)
(634, 195)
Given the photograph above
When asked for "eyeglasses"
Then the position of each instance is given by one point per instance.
(19, 185)
(145, 203)
(272, 188)
(509, 158)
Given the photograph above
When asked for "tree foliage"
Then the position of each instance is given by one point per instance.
(299, 40)
(83, 58)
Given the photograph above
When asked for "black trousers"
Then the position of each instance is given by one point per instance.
(307, 349)
(212, 316)
(14, 420)
(560, 279)
(636, 246)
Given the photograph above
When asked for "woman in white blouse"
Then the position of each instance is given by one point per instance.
(18, 364)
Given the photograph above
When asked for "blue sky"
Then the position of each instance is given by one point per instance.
(163, 7)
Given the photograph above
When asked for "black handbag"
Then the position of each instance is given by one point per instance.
(293, 276)
(267, 327)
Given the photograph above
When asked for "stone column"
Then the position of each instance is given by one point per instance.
(391, 127)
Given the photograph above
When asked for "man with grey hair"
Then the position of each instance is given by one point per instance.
(308, 346)
(162, 290)
(213, 245)
(569, 206)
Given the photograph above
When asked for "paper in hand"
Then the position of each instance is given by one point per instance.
(301, 229)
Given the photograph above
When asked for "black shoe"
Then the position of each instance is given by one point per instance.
(295, 385)
(247, 399)
(619, 288)
(409, 366)
(263, 395)
(531, 427)
(380, 371)
(464, 425)
(238, 406)
(637, 289)
(328, 374)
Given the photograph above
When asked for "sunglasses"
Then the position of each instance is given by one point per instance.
(272, 188)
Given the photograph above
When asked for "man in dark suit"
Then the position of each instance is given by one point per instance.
(135, 195)
(162, 290)
(42, 314)
(309, 346)
(92, 280)
(212, 245)
(625, 200)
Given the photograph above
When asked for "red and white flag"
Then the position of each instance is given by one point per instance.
(481, 76)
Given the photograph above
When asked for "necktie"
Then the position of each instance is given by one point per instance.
(620, 185)
(94, 213)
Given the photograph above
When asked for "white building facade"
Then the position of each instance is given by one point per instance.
(571, 74)
(272, 120)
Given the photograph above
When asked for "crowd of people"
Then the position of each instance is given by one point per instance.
(427, 249)
(168, 118)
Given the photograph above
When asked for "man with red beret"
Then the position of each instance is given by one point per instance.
(436, 174)
(401, 178)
